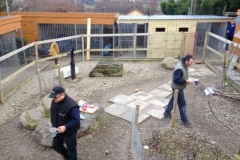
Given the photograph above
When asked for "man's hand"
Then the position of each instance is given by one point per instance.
(190, 81)
(61, 129)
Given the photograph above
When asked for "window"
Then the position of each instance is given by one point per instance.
(160, 29)
(182, 29)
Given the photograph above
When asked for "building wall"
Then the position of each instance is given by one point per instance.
(8, 24)
(30, 20)
(169, 42)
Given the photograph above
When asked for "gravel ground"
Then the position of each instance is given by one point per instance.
(214, 117)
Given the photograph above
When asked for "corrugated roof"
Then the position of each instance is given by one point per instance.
(173, 17)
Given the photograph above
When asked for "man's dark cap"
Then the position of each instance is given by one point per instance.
(55, 91)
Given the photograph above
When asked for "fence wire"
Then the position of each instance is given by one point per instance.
(220, 55)
(136, 145)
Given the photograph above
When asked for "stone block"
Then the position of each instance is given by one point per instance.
(67, 71)
(107, 69)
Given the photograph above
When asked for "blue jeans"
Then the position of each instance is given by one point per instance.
(181, 105)
(70, 152)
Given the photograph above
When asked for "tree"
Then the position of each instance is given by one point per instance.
(3, 5)
(153, 4)
(200, 7)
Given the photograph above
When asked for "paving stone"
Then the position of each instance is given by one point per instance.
(158, 101)
(117, 109)
(157, 113)
(121, 99)
(141, 96)
(152, 107)
(128, 116)
(166, 87)
(142, 104)
(160, 93)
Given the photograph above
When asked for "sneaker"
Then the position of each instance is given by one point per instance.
(167, 115)
(187, 124)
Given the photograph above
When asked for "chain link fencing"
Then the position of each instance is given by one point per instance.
(220, 55)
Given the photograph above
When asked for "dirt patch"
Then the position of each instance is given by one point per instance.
(215, 118)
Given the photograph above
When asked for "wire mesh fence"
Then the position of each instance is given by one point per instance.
(137, 148)
(220, 55)
(27, 60)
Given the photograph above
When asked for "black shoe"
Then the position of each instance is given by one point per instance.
(167, 115)
(187, 124)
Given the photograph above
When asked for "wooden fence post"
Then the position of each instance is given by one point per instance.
(137, 114)
(82, 38)
(223, 72)
(134, 47)
(174, 111)
(145, 152)
(205, 47)
(60, 80)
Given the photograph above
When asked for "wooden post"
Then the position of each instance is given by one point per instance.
(88, 38)
(223, 72)
(83, 47)
(137, 114)
(145, 152)
(205, 47)
(134, 47)
(62, 77)
(59, 76)
(174, 111)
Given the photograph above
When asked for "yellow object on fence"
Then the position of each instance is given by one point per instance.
(54, 51)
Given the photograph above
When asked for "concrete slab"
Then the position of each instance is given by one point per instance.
(142, 104)
(166, 87)
(128, 116)
(160, 102)
(117, 109)
(143, 96)
(160, 93)
(121, 99)
(156, 113)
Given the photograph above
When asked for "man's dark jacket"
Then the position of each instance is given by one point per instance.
(59, 114)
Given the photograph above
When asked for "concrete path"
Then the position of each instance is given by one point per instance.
(152, 103)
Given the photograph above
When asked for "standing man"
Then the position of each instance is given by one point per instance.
(230, 30)
(180, 81)
(65, 117)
